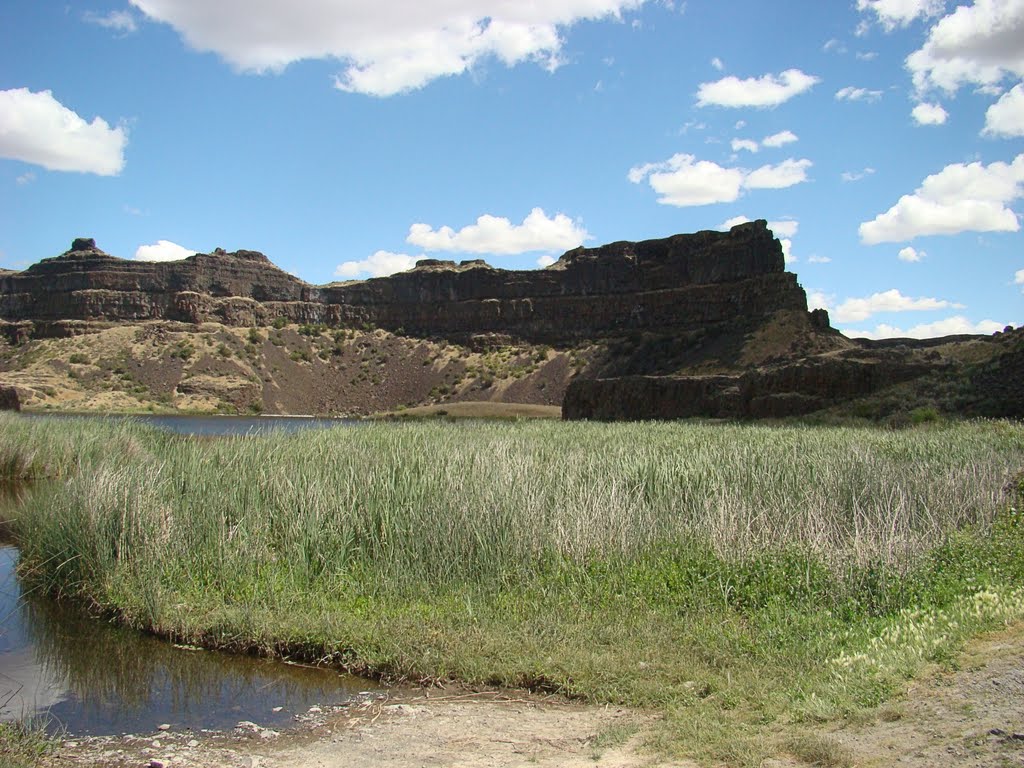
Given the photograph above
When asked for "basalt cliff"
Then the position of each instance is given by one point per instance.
(681, 282)
(704, 324)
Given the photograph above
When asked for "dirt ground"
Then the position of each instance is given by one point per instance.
(970, 717)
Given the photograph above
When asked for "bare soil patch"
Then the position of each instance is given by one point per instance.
(973, 716)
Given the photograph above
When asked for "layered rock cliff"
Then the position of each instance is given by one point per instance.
(680, 283)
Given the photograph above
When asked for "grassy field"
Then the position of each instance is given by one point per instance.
(747, 581)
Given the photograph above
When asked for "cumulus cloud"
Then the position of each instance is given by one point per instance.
(958, 324)
(959, 198)
(380, 264)
(119, 21)
(386, 47)
(766, 91)
(785, 174)
(856, 309)
(546, 261)
(163, 250)
(748, 144)
(1018, 278)
(856, 175)
(899, 13)
(774, 141)
(1005, 118)
(910, 254)
(849, 93)
(717, 64)
(498, 235)
(780, 139)
(929, 114)
(682, 180)
(36, 128)
(787, 250)
(816, 259)
(820, 300)
(976, 44)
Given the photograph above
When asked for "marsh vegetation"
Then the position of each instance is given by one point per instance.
(737, 578)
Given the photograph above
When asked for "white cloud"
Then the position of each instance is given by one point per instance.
(163, 250)
(1018, 278)
(787, 250)
(26, 178)
(766, 91)
(899, 13)
(36, 128)
(910, 254)
(119, 21)
(857, 309)
(1006, 117)
(780, 139)
(717, 64)
(775, 140)
(785, 174)
(820, 300)
(929, 114)
(866, 55)
(546, 261)
(816, 259)
(856, 175)
(948, 327)
(380, 264)
(849, 93)
(497, 235)
(682, 180)
(784, 228)
(748, 144)
(388, 46)
(834, 45)
(959, 198)
(979, 44)
(728, 224)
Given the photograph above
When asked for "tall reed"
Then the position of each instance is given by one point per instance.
(399, 505)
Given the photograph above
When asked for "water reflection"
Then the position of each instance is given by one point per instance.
(94, 678)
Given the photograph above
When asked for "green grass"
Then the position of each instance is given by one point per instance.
(740, 579)
(23, 745)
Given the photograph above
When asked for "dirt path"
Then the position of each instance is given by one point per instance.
(973, 717)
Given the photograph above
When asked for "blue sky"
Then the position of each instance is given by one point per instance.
(884, 139)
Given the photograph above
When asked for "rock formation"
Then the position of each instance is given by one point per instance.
(9, 400)
(684, 282)
(707, 324)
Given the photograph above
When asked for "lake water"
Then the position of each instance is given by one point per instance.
(90, 677)
(219, 426)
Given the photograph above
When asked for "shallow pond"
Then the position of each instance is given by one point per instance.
(90, 677)
(218, 426)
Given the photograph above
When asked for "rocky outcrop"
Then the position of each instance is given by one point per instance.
(9, 399)
(772, 392)
(678, 283)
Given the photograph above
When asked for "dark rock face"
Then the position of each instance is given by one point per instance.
(9, 399)
(83, 244)
(677, 283)
(774, 392)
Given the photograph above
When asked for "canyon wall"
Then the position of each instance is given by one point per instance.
(676, 283)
